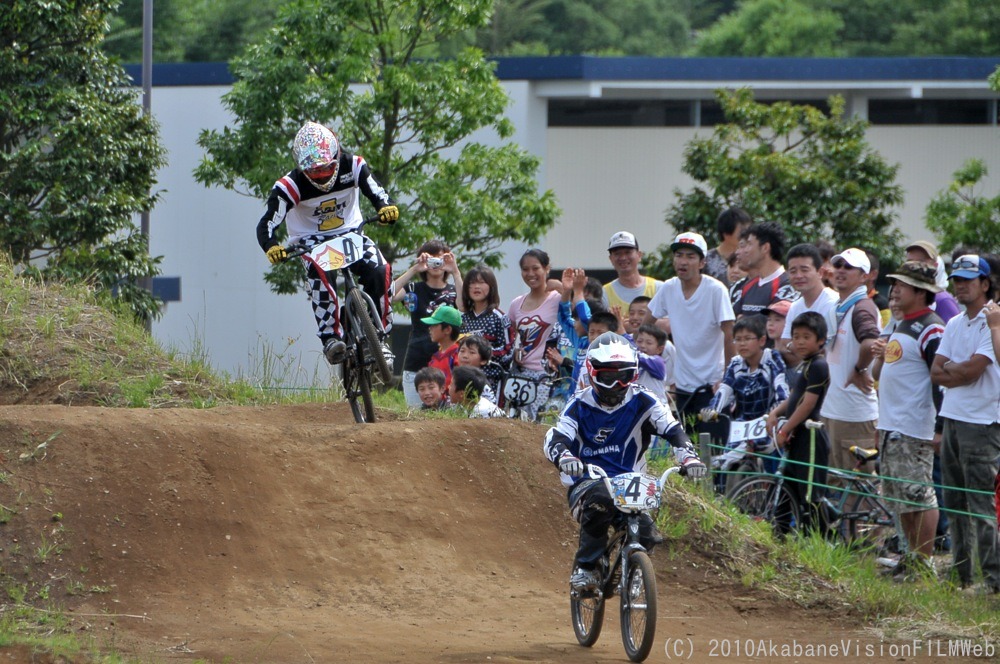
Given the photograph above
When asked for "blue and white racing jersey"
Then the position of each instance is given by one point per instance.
(616, 439)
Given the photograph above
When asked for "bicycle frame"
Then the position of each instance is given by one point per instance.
(625, 539)
(516, 391)
(357, 315)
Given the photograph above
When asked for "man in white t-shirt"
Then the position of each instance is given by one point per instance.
(700, 319)
(804, 263)
(850, 409)
(624, 254)
(966, 364)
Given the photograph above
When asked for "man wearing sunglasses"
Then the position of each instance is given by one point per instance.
(850, 409)
(318, 200)
(966, 364)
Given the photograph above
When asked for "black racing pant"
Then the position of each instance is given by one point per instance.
(591, 505)
(806, 477)
(689, 404)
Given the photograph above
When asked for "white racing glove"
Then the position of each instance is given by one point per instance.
(693, 468)
(570, 465)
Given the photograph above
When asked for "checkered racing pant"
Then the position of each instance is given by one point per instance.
(373, 273)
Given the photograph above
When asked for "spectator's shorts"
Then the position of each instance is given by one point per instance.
(907, 464)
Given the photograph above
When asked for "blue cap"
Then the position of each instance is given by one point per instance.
(969, 266)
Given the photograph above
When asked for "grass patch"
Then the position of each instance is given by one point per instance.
(810, 571)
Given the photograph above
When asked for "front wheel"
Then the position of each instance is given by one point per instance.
(638, 607)
(364, 309)
(587, 614)
(358, 388)
(767, 499)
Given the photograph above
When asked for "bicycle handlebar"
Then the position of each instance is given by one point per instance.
(299, 249)
(598, 473)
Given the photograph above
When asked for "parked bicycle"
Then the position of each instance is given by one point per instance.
(365, 365)
(518, 391)
(852, 513)
(742, 456)
(625, 568)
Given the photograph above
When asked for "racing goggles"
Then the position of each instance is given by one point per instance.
(610, 378)
(322, 173)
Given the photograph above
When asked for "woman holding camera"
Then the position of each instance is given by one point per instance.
(434, 263)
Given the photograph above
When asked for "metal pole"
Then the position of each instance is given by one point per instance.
(147, 105)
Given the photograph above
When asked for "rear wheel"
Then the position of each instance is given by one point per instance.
(638, 607)
(764, 499)
(363, 309)
(868, 523)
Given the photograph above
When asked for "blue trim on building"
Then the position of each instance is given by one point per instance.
(168, 289)
(183, 74)
(592, 68)
(746, 69)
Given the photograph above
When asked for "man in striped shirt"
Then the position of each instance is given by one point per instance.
(908, 426)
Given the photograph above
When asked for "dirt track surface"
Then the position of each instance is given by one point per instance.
(290, 534)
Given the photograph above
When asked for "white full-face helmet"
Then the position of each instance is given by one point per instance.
(317, 154)
(612, 365)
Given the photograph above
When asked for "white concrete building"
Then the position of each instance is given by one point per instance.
(628, 116)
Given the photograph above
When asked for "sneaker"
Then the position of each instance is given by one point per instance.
(335, 350)
(980, 590)
(584, 579)
(913, 568)
(390, 357)
(942, 544)
(888, 563)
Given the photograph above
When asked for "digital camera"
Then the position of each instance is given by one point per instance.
(435, 261)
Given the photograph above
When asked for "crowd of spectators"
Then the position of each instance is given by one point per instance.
(753, 328)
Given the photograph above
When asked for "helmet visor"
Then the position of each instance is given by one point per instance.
(611, 378)
(321, 173)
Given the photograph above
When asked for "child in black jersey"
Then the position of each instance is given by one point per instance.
(807, 454)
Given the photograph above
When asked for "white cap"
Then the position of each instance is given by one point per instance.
(855, 258)
(691, 241)
(622, 239)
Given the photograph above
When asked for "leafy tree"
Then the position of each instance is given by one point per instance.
(703, 13)
(411, 119)
(629, 27)
(77, 156)
(950, 27)
(516, 27)
(962, 215)
(771, 28)
(190, 30)
(173, 25)
(869, 25)
(814, 174)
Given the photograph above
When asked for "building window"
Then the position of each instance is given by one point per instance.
(931, 111)
(644, 112)
(619, 113)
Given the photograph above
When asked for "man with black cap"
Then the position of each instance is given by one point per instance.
(908, 403)
(966, 364)
(623, 251)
